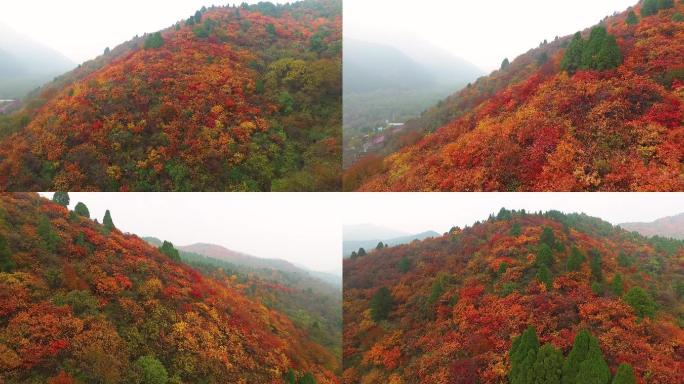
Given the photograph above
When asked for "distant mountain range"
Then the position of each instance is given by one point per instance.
(367, 236)
(239, 259)
(373, 66)
(393, 82)
(26, 64)
(671, 226)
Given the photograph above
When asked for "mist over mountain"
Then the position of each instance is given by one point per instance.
(671, 226)
(354, 245)
(368, 231)
(26, 64)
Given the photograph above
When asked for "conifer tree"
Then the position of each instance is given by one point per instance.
(641, 302)
(649, 8)
(381, 304)
(82, 210)
(617, 286)
(624, 375)
(575, 260)
(583, 343)
(522, 356)
(107, 221)
(6, 263)
(572, 60)
(548, 366)
(632, 18)
(61, 198)
(544, 256)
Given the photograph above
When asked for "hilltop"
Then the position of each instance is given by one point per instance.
(598, 111)
(453, 309)
(83, 302)
(230, 99)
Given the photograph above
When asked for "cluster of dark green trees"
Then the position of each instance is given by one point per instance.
(63, 199)
(600, 52)
(291, 378)
(361, 252)
(651, 7)
(381, 304)
(585, 364)
(154, 41)
(168, 249)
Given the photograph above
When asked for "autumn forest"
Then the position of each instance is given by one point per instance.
(244, 98)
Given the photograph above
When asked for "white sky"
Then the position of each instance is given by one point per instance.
(298, 227)
(81, 29)
(306, 228)
(418, 212)
(482, 32)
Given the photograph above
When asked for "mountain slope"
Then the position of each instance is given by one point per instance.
(245, 98)
(452, 305)
(672, 226)
(25, 64)
(533, 126)
(80, 303)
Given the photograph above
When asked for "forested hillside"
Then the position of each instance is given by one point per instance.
(598, 111)
(562, 298)
(82, 302)
(233, 98)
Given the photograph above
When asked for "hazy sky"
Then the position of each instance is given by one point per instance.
(482, 32)
(81, 29)
(297, 227)
(418, 212)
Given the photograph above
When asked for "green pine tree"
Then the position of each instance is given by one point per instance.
(583, 343)
(82, 210)
(381, 304)
(632, 18)
(641, 301)
(544, 275)
(624, 375)
(107, 221)
(168, 249)
(649, 8)
(572, 60)
(154, 41)
(547, 237)
(522, 356)
(544, 256)
(548, 366)
(575, 260)
(47, 234)
(516, 230)
(61, 198)
(6, 263)
(404, 265)
(617, 286)
(595, 264)
(594, 369)
(505, 64)
(362, 252)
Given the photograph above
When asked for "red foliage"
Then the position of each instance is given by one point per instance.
(532, 128)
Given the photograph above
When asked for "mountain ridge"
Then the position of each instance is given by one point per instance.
(448, 309)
